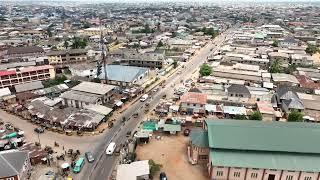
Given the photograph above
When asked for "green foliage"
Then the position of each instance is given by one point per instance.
(205, 70)
(312, 49)
(136, 45)
(240, 117)
(79, 43)
(52, 82)
(86, 25)
(209, 31)
(276, 67)
(66, 71)
(146, 30)
(295, 116)
(256, 116)
(96, 80)
(275, 43)
(49, 32)
(175, 64)
(154, 167)
(65, 44)
(160, 44)
(291, 68)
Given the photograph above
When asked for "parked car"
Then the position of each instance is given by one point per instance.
(89, 156)
(39, 130)
(163, 176)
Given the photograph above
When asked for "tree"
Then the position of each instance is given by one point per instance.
(275, 67)
(154, 167)
(275, 43)
(86, 25)
(205, 70)
(175, 64)
(96, 80)
(49, 32)
(295, 116)
(240, 117)
(256, 116)
(291, 68)
(65, 44)
(311, 49)
(79, 43)
(160, 44)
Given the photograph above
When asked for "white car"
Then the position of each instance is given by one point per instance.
(110, 149)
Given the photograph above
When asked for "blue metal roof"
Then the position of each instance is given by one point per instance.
(123, 73)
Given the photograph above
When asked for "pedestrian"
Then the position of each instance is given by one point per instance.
(62, 147)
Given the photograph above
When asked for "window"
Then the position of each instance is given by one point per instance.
(194, 105)
(10, 178)
(289, 177)
(219, 173)
(254, 175)
(236, 174)
(307, 178)
(203, 157)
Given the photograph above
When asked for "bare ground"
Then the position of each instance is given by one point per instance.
(171, 152)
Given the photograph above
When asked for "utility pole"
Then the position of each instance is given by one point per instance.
(103, 55)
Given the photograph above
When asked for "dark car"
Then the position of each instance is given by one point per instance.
(39, 130)
(163, 176)
(128, 134)
(89, 157)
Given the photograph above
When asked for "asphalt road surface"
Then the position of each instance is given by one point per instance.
(102, 167)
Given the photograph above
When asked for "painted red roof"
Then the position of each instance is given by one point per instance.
(9, 72)
(195, 98)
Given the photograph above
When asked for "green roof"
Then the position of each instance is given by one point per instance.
(199, 137)
(172, 127)
(273, 136)
(265, 160)
(150, 125)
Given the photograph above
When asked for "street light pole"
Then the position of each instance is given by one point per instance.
(39, 138)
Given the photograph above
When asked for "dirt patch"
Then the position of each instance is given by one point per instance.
(171, 152)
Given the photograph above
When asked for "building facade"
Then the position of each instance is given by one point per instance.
(258, 150)
(71, 56)
(16, 76)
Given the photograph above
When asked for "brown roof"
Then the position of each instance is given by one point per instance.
(195, 98)
(306, 82)
(24, 50)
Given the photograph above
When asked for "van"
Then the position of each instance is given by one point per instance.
(79, 165)
(110, 149)
(144, 97)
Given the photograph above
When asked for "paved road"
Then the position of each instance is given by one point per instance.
(102, 168)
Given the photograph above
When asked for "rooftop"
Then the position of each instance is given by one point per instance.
(11, 162)
(264, 136)
(133, 170)
(93, 88)
(192, 97)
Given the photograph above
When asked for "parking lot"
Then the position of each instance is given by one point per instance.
(171, 152)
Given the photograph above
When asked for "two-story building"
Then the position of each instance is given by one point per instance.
(21, 75)
(193, 102)
(17, 54)
(64, 57)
